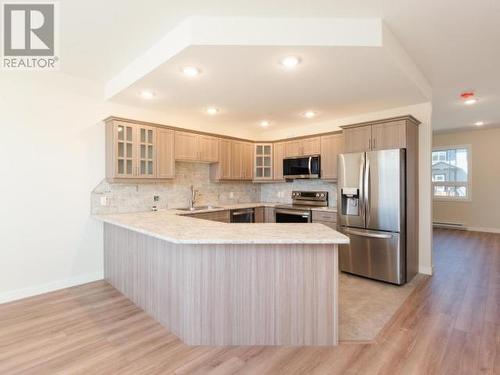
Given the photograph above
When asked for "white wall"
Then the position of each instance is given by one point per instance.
(52, 156)
(482, 211)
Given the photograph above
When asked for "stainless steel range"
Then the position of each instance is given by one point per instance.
(300, 209)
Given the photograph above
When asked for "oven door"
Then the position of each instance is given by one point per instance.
(292, 216)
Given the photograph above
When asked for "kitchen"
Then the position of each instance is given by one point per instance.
(219, 191)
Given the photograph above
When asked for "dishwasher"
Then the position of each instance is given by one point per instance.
(245, 215)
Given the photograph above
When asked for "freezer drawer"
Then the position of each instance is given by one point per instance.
(374, 254)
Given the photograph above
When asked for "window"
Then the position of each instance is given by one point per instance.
(451, 173)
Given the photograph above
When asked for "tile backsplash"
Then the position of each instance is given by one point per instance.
(175, 193)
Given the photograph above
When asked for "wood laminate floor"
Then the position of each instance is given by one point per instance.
(449, 325)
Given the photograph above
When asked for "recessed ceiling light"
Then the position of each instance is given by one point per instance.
(290, 62)
(147, 94)
(470, 101)
(479, 123)
(265, 123)
(212, 111)
(309, 114)
(191, 71)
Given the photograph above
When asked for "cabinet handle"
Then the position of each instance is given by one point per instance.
(369, 144)
(374, 143)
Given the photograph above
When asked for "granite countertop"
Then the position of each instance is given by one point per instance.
(177, 227)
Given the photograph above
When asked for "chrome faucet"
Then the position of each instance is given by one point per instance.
(194, 195)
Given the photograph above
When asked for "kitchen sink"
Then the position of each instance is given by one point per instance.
(198, 208)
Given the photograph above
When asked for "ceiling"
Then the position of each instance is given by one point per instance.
(248, 85)
(454, 43)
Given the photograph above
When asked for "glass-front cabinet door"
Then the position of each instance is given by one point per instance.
(263, 161)
(125, 150)
(146, 152)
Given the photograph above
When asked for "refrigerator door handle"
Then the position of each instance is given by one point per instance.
(366, 188)
(366, 234)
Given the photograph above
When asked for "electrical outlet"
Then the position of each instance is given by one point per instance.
(231, 195)
(104, 200)
(156, 198)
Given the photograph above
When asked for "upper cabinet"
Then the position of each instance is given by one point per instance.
(263, 161)
(235, 161)
(331, 146)
(278, 156)
(357, 139)
(380, 135)
(302, 147)
(196, 147)
(132, 152)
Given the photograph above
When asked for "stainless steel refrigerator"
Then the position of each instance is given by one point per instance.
(372, 213)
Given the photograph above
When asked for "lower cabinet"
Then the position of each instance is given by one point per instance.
(269, 216)
(259, 214)
(327, 218)
(222, 216)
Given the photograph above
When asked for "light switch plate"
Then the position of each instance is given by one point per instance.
(104, 201)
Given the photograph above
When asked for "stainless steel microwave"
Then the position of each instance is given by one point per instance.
(302, 167)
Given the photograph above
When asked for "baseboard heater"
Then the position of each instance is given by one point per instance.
(441, 224)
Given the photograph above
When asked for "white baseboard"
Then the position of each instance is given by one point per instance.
(426, 270)
(482, 229)
(49, 287)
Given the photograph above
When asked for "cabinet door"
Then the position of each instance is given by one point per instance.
(263, 161)
(146, 152)
(208, 148)
(269, 215)
(278, 155)
(236, 160)
(165, 162)
(186, 146)
(247, 161)
(125, 150)
(293, 148)
(225, 150)
(331, 147)
(357, 139)
(259, 214)
(311, 146)
(389, 135)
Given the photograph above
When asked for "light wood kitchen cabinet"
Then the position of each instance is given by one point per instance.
(263, 161)
(357, 139)
(208, 149)
(259, 214)
(241, 161)
(311, 146)
(222, 170)
(235, 161)
(196, 147)
(380, 135)
(165, 153)
(278, 155)
(222, 216)
(269, 215)
(331, 146)
(132, 151)
(389, 135)
(303, 147)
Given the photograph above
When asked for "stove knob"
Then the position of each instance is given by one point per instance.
(322, 195)
(317, 195)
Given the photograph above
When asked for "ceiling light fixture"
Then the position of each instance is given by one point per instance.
(265, 123)
(191, 71)
(147, 95)
(470, 101)
(479, 123)
(309, 114)
(212, 111)
(290, 62)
